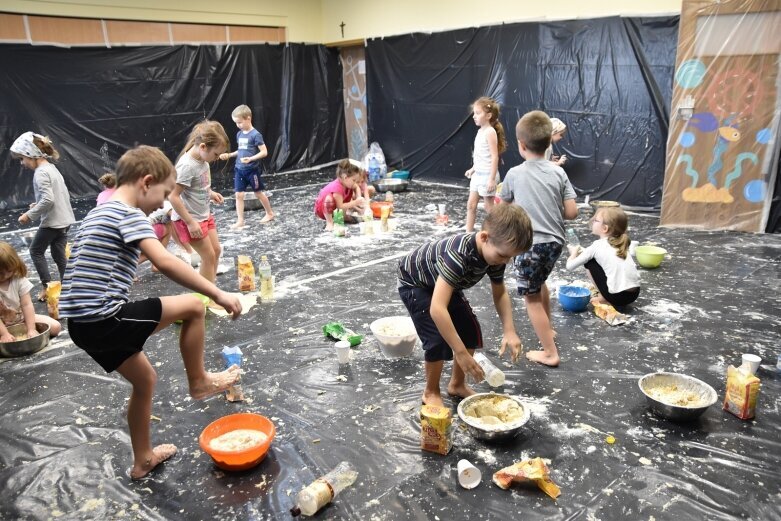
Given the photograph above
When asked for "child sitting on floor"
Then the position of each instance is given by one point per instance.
(609, 265)
(16, 304)
(338, 194)
(432, 280)
(112, 330)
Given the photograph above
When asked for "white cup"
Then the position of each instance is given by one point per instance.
(468, 475)
(752, 362)
(343, 351)
(441, 208)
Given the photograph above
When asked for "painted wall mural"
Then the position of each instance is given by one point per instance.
(354, 79)
(721, 138)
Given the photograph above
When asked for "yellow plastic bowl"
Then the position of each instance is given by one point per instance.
(650, 256)
(238, 460)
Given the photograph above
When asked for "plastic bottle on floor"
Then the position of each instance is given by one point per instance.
(493, 375)
(323, 490)
(266, 280)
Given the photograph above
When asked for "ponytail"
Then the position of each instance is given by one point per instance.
(44, 144)
(621, 244)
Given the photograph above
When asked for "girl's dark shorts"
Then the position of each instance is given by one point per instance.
(418, 303)
(110, 341)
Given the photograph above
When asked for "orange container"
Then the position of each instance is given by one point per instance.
(238, 460)
(377, 206)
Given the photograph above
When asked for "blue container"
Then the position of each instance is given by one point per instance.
(574, 298)
(400, 174)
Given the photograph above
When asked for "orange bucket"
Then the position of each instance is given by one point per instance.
(377, 207)
(242, 459)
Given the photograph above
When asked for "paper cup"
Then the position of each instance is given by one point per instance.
(441, 208)
(752, 362)
(343, 351)
(468, 475)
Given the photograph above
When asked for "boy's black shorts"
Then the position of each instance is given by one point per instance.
(111, 341)
(418, 303)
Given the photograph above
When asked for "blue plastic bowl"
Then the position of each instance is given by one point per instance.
(574, 298)
(400, 174)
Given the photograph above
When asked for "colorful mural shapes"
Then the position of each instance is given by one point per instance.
(690, 74)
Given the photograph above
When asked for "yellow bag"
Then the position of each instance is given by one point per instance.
(246, 273)
(741, 395)
(527, 470)
(53, 299)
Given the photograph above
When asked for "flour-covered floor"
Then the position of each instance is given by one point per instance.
(64, 447)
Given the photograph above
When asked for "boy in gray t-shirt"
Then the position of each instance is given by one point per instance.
(543, 190)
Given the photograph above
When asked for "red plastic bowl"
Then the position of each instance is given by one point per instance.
(238, 460)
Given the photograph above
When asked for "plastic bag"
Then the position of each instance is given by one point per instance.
(53, 298)
(374, 162)
(232, 356)
(339, 332)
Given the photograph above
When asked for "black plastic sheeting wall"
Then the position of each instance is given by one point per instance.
(97, 103)
(608, 79)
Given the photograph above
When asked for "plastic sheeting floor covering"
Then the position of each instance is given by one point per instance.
(65, 449)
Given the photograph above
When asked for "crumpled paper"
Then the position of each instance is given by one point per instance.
(527, 470)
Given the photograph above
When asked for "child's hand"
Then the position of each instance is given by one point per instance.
(23, 219)
(195, 230)
(469, 173)
(490, 186)
(32, 333)
(230, 302)
(516, 347)
(561, 160)
(7, 337)
(224, 156)
(470, 367)
(216, 197)
(246, 160)
(573, 250)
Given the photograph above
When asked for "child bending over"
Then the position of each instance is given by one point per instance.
(543, 190)
(432, 280)
(607, 261)
(339, 193)
(16, 304)
(112, 330)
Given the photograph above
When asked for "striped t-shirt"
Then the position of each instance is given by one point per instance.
(455, 259)
(103, 261)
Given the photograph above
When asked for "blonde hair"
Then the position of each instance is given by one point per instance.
(616, 221)
(534, 130)
(209, 133)
(348, 169)
(490, 106)
(10, 261)
(242, 112)
(143, 160)
(108, 180)
(509, 224)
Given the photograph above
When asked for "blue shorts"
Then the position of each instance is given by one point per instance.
(533, 267)
(418, 303)
(248, 180)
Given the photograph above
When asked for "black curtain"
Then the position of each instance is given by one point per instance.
(97, 103)
(608, 79)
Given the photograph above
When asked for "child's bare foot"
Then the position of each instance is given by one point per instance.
(430, 398)
(267, 218)
(329, 227)
(599, 299)
(215, 383)
(159, 455)
(238, 225)
(541, 357)
(460, 391)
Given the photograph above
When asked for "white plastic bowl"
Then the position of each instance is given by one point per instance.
(395, 346)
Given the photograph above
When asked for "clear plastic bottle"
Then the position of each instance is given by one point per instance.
(572, 237)
(493, 375)
(374, 169)
(323, 490)
(368, 221)
(266, 280)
